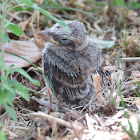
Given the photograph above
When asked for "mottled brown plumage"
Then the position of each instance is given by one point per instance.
(69, 59)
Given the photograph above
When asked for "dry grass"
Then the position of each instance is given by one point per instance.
(36, 119)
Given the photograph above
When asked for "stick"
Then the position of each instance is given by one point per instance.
(130, 59)
(57, 120)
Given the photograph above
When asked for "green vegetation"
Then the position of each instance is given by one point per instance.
(10, 88)
(130, 132)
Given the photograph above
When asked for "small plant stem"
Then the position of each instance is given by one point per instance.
(15, 7)
(3, 24)
(2, 27)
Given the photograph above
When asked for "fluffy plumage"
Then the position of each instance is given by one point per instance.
(69, 59)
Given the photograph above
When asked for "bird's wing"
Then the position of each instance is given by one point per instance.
(70, 87)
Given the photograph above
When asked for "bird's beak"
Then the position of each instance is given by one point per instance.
(44, 35)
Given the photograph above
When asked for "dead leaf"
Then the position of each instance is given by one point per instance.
(25, 49)
(97, 86)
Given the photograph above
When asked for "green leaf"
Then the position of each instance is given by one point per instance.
(62, 23)
(138, 132)
(27, 2)
(131, 128)
(3, 94)
(125, 27)
(118, 61)
(15, 29)
(22, 91)
(70, 9)
(11, 112)
(118, 2)
(7, 97)
(131, 135)
(135, 5)
(6, 84)
(100, 4)
(4, 37)
(18, 6)
(136, 92)
(2, 64)
(24, 73)
(9, 70)
(138, 83)
(2, 136)
(30, 4)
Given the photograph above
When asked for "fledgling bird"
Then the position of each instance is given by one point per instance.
(69, 59)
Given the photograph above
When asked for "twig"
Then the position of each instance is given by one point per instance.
(96, 26)
(44, 103)
(39, 137)
(130, 59)
(132, 81)
(50, 97)
(19, 12)
(54, 119)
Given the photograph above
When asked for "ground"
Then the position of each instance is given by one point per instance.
(115, 27)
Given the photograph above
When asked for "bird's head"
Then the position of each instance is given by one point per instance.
(73, 39)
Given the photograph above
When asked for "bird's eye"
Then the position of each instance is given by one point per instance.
(58, 27)
(65, 41)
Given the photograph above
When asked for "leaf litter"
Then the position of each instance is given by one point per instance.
(35, 121)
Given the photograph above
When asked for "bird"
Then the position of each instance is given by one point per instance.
(69, 59)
